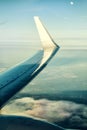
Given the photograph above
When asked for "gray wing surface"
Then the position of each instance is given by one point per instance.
(20, 75)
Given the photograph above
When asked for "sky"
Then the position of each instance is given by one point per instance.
(63, 19)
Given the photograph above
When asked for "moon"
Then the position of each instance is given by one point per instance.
(72, 3)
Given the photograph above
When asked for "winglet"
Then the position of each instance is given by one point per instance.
(45, 37)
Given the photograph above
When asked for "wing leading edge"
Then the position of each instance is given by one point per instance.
(20, 75)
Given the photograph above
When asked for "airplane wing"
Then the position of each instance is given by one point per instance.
(20, 75)
(14, 122)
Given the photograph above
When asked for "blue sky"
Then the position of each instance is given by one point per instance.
(62, 18)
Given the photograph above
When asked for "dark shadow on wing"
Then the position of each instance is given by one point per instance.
(24, 123)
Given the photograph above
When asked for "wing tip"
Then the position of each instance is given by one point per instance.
(45, 37)
(36, 17)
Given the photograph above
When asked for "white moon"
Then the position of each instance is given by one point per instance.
(72, 3)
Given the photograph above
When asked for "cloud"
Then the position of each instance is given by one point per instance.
(2, 69)
(3, 22)
(66, 113)
(60, 73)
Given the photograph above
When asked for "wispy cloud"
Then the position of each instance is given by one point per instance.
(35, 9)
(3, 22)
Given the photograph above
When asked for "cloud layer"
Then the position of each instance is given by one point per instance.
(66, 113)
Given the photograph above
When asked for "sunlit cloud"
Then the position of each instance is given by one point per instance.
(53, 111)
